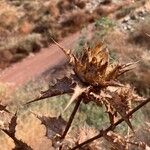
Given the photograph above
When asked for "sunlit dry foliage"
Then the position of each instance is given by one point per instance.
(95, 78)
(92, 75)
(92, 78)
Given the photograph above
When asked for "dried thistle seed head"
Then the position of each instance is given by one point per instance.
(93, 67)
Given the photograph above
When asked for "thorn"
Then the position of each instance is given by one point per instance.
(77, 92)
(68, 53)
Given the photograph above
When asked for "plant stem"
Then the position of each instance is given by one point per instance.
(112, 127)
(71, 118)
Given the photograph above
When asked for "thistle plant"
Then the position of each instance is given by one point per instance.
(95, 79)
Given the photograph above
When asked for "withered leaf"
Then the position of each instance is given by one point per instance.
(12, 125)
(3, 108)
(54, 125)
(111, 113)
(120, 104)
(62, 86)
(19, 145)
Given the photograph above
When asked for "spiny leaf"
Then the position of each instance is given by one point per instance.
(112, 72)
(54, 125)
(127, 67)
(111, 112)
(19, 145)
(112, 127)
(62, 86)
(118, 101)
(3, 108)
(68, 53)
(13, 124)
(120, 104)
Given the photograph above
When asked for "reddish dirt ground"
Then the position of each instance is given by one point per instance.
(33, 66)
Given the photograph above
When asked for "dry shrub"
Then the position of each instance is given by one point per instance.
(47, 18)
(9, 16)
(141, 35)
(25, 27)
(19, 47)
(127, 10)
(94, 78)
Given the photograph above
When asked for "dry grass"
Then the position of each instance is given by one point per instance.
(131, 52)
(141, 34)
